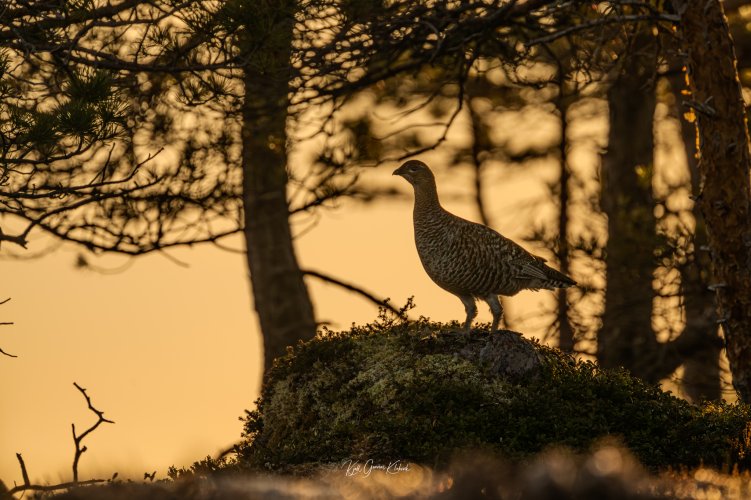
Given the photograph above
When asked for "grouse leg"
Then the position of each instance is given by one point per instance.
(497, 309)
(471, 308)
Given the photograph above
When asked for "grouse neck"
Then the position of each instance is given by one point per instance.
(426, 199)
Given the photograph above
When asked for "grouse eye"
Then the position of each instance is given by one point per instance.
(413, 168)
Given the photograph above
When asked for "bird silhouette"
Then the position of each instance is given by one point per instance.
(470, 260)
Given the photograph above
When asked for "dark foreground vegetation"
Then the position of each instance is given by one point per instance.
(607, 473)
(421, 393)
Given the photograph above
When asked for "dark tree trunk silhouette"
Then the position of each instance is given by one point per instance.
(724, 198)
(566, 334)
(479, 145)
(701, 371)
(281, 298)
(626, 332)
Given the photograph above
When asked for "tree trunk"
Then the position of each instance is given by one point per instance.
(724, 198)
(281, 298)
(701, 371)
(566, 333)
(479, 146)
(626, 332)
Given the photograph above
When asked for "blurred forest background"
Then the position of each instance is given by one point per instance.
(138, 127)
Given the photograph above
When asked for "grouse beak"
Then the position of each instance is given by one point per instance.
(398, 171)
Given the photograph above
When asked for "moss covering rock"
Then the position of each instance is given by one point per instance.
(416, 392)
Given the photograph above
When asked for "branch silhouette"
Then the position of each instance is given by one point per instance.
(77, 439)
(356, 289)
(4, 323)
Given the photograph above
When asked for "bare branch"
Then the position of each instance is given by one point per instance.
(4, 323)
(560, 33)
(24, 473)
(28, 486)
(354, 288)
(54, 487)
(19, 239)
(77, 439)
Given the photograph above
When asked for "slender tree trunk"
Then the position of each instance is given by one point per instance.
(566, 334)
(626, 333)
(479, 145)
(701, 370)
(724, 198)
(281, 298)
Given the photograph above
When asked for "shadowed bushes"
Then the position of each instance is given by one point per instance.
(417, 393)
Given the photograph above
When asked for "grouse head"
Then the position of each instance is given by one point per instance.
(416, 172)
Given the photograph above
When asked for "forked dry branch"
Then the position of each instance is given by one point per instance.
(77, 439)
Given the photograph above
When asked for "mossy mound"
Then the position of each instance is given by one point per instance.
(418, 393)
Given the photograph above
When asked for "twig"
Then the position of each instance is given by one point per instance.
(18, 239)
(89, 191)
(54, 487)
(27, 486)
(5, 323)
(77, 439)
(601, 22)
(24, 473)
(355, 289)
